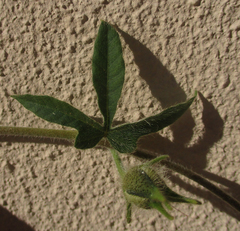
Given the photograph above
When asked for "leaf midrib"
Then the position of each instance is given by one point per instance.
(87, 120)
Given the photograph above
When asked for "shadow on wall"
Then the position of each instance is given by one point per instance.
(162, 85)
(9, 222)
(165, 88)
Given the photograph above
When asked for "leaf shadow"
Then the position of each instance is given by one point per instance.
(162, 85)
(165, 88)
(9, 222)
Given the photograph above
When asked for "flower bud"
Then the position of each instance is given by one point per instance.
(144, 187)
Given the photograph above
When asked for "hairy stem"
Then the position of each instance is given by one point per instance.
(67, 137)
(37, 135)
(118, 162)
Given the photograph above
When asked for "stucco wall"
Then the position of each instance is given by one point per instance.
(171, 48)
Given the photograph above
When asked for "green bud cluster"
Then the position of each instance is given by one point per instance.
(145, 188)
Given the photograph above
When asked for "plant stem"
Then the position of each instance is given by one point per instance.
(41, 135)
(37, 135)
(67, 137)
(118, 162)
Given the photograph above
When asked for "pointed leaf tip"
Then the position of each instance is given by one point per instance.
(124, 138)
(108, 71)
(161, 209)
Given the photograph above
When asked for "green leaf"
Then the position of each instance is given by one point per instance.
(108, 71)
(56, 111)
(124, 138)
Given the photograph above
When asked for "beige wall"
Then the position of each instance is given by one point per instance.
(171, 48)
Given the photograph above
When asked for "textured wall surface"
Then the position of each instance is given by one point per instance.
(171, 48)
